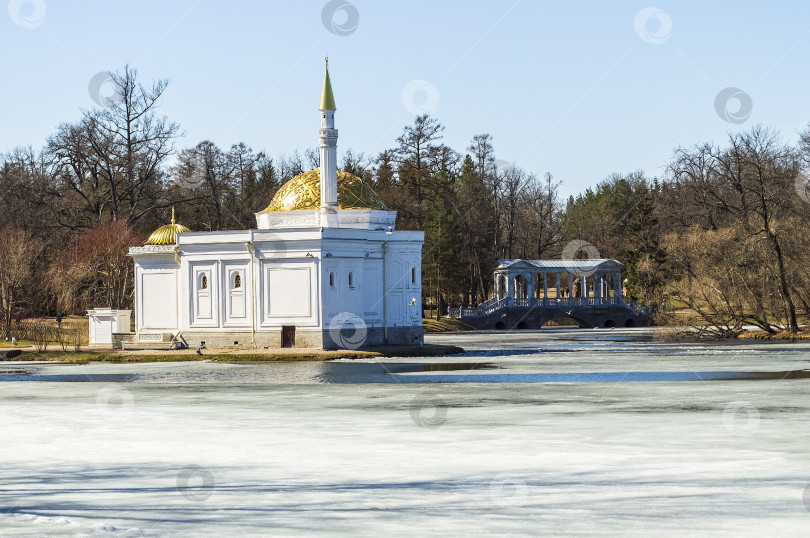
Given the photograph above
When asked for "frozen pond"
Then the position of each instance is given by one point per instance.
(576, 432)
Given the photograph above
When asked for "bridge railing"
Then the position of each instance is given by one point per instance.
(493, 305)
(496, 305)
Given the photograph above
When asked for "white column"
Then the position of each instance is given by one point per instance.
(327, 136)
(597, 287)
(530, 287)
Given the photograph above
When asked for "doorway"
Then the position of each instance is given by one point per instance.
(288, 336)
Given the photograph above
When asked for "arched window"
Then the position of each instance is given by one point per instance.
(204, 283)
(237, 281)
(413, 275)
(332, 279)
(351, 280)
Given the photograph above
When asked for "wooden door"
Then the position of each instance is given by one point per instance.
(288, 336)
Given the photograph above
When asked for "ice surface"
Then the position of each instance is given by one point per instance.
(351, 448)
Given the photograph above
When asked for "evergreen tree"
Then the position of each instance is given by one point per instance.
(442, 270)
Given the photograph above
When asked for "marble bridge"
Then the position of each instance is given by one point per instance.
(530, 293)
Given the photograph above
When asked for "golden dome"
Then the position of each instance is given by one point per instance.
(167, 235)
(304, 192)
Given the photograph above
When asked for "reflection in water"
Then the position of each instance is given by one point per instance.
(345, 372)
(454, 366)
(606, 377)
(524, 357)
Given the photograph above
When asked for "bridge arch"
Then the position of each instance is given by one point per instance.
(579, 322)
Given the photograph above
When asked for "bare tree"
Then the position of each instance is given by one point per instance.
(358, 165)
(211, 175)
(312, 156)
(25, 185)
(20, 252)
(748, 187)
(514, 182)
(762, 171)
(111, 161)
(542, 217)
(94, 269)
(289, 167)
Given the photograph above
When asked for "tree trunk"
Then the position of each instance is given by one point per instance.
(783, 285)
(438, 295)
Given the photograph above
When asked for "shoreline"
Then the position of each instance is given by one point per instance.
(228, 355)
(109, 355)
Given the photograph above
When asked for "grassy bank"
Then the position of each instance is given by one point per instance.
(803, 334)
(85, 357)
(444, 325)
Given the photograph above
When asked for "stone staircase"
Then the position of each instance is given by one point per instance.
(132, 341)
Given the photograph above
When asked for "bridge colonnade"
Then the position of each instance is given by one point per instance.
(527, 282)
(587, 291)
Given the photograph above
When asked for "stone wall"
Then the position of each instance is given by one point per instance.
(119, 340)
(307, 338)
(515, 317)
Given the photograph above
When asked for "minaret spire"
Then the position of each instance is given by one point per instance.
(327, 136)
(327, 98)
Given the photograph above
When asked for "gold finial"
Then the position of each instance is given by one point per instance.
(326, 59)
(172, 214)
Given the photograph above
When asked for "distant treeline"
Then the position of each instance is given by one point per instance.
(724, 234)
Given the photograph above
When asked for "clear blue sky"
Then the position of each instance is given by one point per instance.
(573, 88)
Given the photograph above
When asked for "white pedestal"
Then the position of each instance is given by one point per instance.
(104, 322)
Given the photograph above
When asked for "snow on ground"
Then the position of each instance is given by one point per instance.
(347, 447)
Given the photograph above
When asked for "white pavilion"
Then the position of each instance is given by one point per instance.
(324, 268)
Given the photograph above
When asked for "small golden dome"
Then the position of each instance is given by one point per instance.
(167, 235)
(304, 192)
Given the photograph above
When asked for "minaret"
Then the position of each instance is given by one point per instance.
(327, 135)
